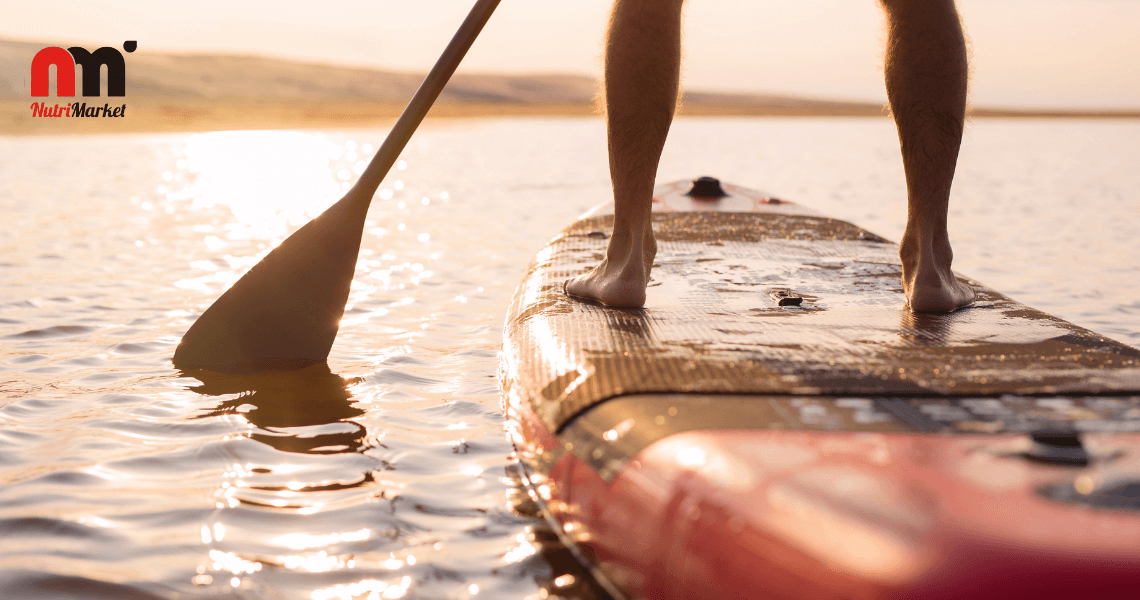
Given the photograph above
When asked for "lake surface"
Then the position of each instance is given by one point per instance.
(388, 474)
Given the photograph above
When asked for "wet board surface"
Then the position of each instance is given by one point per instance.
(716, 442)
(710, 324)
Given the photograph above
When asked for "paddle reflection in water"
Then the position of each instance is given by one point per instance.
(312, 493)
(308, 414)
(304, 411)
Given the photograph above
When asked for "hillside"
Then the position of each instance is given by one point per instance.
(188, 92)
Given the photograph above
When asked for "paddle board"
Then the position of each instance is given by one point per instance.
(775, 423)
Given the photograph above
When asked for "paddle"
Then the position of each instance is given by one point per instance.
(284, 313)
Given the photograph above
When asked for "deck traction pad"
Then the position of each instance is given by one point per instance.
(710, 326)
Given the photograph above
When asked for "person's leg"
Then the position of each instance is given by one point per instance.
(926, 73)
(642, 70)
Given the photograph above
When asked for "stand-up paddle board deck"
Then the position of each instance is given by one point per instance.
(718, 444)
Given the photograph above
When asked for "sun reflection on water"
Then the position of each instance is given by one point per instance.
(523, 549)
(374, 588)
(302, 541)
(320, 562)
(228, 561)
(270, 180)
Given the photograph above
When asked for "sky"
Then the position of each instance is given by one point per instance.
(1026, 53)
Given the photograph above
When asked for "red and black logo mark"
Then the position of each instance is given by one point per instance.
(92, 64)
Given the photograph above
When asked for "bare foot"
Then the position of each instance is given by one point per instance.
(929, 283)
(621, 278)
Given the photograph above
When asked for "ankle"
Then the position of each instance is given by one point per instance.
(925, 252)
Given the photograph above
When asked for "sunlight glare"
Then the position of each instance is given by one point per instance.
(372, 587)
(228, 561)
(691, 457)
(301, 541)
(320, 562)
(272, 181)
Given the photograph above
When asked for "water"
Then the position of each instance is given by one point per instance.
(388, 475)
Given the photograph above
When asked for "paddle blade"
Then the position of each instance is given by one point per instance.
(284, 313)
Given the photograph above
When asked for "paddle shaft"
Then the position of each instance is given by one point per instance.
(425, 96)
(284, 313)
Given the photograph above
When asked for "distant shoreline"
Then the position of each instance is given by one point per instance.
(161, 115)
(169, 92)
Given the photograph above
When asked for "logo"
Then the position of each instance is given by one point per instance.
(92, 64)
